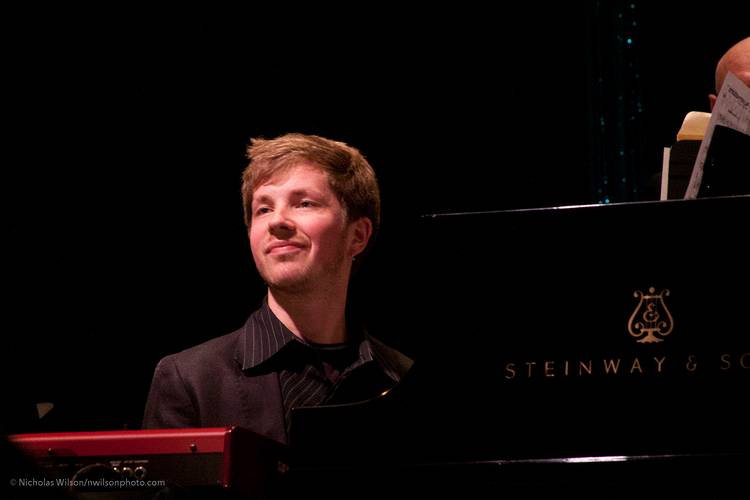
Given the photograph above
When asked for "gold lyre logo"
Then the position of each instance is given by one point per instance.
(651, 317)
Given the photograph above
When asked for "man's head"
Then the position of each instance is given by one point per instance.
(311, 204)
(350, 175)
(736, 60)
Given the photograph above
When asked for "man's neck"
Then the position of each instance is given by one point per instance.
(317, 317)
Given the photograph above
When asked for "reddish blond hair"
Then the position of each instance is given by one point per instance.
(351, 177)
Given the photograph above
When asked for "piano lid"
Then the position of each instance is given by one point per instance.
(572, 331)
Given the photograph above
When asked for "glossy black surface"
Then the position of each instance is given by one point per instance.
(501, 301)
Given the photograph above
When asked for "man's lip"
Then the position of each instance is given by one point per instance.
(282, 246)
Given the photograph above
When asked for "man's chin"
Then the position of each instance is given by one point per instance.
(288, 283)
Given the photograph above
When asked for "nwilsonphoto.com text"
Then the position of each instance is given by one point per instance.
(24, 482)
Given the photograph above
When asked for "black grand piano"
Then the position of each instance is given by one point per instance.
(602, 351)
(587, 352)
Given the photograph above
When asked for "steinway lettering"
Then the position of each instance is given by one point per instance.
(614, 366)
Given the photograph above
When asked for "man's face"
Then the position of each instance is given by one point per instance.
(299, 235)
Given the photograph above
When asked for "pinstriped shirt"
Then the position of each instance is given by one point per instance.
(313, 375)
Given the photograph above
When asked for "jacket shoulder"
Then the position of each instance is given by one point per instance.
(209, 353)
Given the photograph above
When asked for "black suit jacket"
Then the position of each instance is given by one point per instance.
(205, 386)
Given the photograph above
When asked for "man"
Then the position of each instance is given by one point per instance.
(311, 207)
(683, 153)
(735, 60)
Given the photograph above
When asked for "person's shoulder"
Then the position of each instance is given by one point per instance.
(207, 352)
(693, 126)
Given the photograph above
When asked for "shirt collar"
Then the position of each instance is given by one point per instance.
(264, 336)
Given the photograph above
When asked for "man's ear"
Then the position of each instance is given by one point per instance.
(711, 101)
(361, 233)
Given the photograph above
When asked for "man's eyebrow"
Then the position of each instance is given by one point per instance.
(307, 192)
(264, 198)
(297, 193)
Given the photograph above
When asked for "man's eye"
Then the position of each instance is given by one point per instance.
(306, 203)
(262, 210)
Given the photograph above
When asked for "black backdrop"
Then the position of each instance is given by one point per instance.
(125, 137)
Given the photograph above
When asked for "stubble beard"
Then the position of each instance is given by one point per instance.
(293, 277)
(289, 277)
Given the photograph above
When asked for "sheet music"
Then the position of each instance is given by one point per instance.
(732, 109)
(665, 174)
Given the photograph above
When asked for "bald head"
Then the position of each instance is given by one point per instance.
(736, 60)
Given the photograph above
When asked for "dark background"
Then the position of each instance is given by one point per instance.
(125, 134)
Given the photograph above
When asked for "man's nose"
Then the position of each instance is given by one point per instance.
(280, 223)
